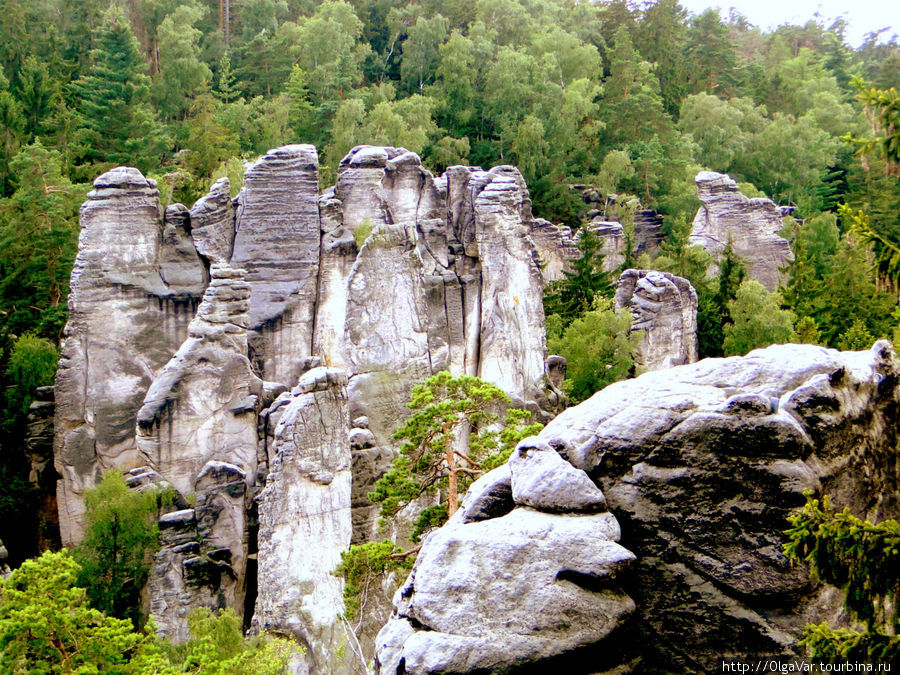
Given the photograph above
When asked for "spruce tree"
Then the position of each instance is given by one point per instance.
(574, 294)
(118, 123)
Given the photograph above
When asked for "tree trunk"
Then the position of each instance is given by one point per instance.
(452, 496)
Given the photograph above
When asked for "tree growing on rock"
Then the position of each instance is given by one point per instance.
(453, 436)
(449, 440)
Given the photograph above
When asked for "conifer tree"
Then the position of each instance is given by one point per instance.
(119, 125)
(574, 294)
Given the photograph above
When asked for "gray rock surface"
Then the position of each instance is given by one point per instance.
(212, 223)
(125, 322)
(751, 225)
(277, 241)
(664, 307)
(507, 591)
(305, 522)
(703, 463)
(39, 453)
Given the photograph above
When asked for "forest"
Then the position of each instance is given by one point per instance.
(630, 98)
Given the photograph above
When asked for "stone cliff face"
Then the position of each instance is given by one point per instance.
(664, 307)
(751, 225)
(134, 290)
(700, 465)
(189, 329)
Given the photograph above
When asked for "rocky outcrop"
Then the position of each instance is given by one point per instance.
(392, 275)
(750, 225)
(701, 465)
(664, 307)
(305, 523)
(515, 577)
(134, 289)
(277, 241)
(43, 476)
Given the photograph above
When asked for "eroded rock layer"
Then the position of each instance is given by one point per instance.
(750, 225)
(664, 307)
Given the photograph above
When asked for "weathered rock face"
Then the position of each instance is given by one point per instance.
(203, 405)
(277, 241)
(392, 276)
(134, 289)
(751, 225)
(525, 572)
(305, 522)
(664, 307)
(39, 452)
(701, 465)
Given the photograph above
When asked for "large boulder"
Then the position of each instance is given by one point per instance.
(700, 465)
(750, 225)
(512, 579)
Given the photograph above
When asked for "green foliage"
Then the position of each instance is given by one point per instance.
(32, 364)
(574, 294)
(120, 538)
(856, 338)
(807, 331)
(362, 231)
(598, 348)
(118, 122)
(883, 108)
(38, 241)
(862, 560)
(364, 568)
(217, 646)
(757, 320)
(47, 626)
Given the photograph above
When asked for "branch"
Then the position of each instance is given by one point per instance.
(468, 459)
(471, 472)
(396, 556)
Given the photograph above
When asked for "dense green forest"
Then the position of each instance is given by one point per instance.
(631, 98)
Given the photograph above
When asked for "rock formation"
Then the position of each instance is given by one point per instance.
(134, 290)
(664, 307)
(306, 502)
(390, 276)
(526, 571)
(751, 225)
(701, 465)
